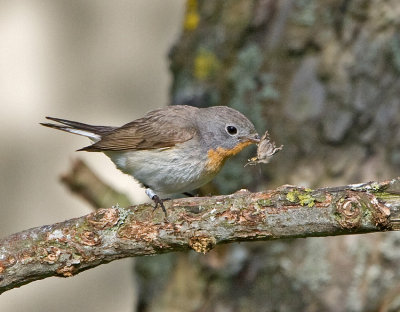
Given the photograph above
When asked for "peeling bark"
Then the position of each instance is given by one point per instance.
(67, 248)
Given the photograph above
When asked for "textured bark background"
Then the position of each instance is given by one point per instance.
(324, 78)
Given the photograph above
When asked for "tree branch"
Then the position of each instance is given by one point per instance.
(75, 245)
(82, 181)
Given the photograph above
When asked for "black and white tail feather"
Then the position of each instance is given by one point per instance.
(94, 133)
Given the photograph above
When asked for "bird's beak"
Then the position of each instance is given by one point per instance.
(253, 138)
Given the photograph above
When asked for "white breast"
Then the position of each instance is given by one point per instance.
(166, 170)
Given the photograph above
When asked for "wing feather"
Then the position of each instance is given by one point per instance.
(158, 129)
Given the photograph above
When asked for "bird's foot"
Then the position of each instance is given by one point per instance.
(157, 200)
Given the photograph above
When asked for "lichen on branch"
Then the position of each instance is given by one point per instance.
(200, 223)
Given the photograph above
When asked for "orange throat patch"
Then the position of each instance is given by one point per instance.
(217, 157)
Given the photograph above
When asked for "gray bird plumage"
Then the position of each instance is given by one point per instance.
(170, 150)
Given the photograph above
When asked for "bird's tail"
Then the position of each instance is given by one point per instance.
(92, 132)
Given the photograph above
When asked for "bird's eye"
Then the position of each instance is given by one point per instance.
(231, 130)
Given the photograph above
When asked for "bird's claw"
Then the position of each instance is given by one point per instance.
(159, 202)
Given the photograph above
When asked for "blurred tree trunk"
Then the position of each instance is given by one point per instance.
(324, 78)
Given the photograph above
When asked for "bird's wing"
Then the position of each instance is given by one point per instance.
(158, 129)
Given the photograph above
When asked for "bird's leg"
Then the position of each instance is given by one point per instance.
(157, 200)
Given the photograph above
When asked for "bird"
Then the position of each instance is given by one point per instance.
(172, 150)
